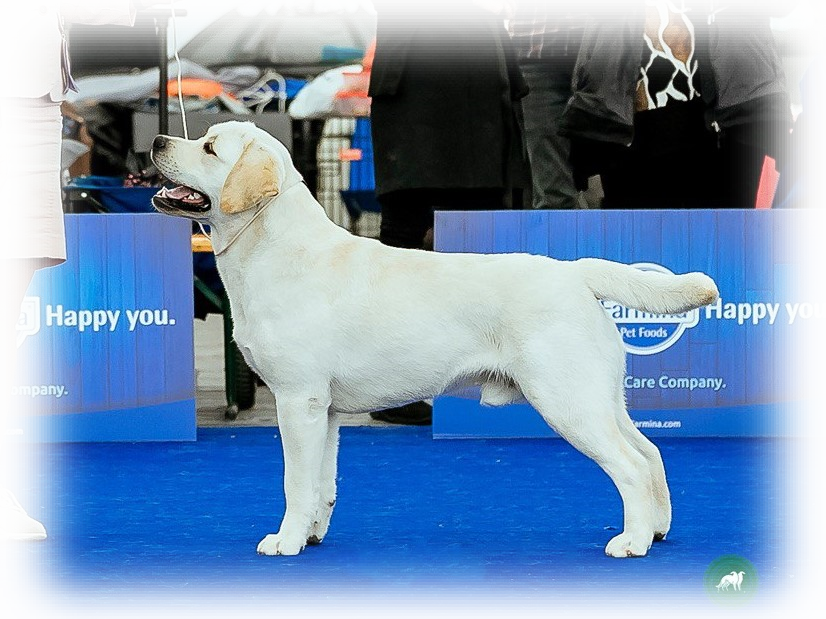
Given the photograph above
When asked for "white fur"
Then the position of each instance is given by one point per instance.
(335, 323)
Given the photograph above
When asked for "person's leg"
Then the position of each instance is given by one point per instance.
(631, 180)
(641, 175)
(642, 179)
(548, 153)
(15, 523)
(654, 174)
(733, 173)
(406, 216)
(668, 166)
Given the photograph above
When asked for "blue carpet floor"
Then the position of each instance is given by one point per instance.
(412, 512)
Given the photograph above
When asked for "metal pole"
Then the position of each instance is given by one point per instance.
(162, 24)
(162, 18)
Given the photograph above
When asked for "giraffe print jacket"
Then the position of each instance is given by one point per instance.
(739, 72)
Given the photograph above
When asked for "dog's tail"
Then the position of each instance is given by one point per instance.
(648, 291)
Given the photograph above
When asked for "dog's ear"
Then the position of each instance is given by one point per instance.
(253, 178)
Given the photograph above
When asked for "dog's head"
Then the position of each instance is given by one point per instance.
(235, 167)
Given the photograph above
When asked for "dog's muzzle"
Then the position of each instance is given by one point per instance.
(159, 143)
(180, 198)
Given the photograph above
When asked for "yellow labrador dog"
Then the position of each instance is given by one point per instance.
(335, 323)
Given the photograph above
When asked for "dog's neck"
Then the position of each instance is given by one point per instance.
(241, 224)
(294, 212)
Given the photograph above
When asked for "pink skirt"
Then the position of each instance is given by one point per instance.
(31, 205)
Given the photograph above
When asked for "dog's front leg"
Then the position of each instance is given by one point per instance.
(327, 495)
(302, 422)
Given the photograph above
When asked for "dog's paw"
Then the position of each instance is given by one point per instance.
(317, 533)
(659, 536)
(662, 521)
(321, 523)
(278, 544)
(661, 528)
(625, 545)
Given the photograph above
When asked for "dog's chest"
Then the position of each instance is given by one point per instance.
(249, 358)
(252, 348)
(269, 341)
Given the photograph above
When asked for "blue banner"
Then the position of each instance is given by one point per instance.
(105, 340)
(717, 371)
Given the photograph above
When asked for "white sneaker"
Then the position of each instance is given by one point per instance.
(15, 523)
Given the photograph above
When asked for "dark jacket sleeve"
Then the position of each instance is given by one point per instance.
(602, 9)
(766, 8)
(421, 7)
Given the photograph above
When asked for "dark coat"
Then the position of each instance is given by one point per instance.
(742, 78)
(444, 95)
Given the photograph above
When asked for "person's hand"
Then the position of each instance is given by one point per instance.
(4, 168)
(497, 7)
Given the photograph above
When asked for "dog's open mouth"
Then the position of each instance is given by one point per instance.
(181, 198)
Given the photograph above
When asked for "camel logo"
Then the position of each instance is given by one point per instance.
(730, 579)
(29, 321)
(649, 334)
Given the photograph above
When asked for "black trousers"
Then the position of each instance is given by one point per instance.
(407, 215)
(676, 163)
(552, 179)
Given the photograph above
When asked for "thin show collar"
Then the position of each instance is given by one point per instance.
(249, 222)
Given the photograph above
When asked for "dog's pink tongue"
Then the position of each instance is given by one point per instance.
(179, 193)
(184, 193)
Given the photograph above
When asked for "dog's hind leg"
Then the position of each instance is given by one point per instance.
(626, 467)
(661, 496)
(583, 414)
(327, 483)
(302, 422)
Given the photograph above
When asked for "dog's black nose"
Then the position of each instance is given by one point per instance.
(160, 142)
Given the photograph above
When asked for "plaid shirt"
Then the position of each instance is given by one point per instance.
(547, 28)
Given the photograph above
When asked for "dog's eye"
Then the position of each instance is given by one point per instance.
(208, 148)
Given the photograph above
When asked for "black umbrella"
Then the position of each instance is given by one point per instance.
(292, 40)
